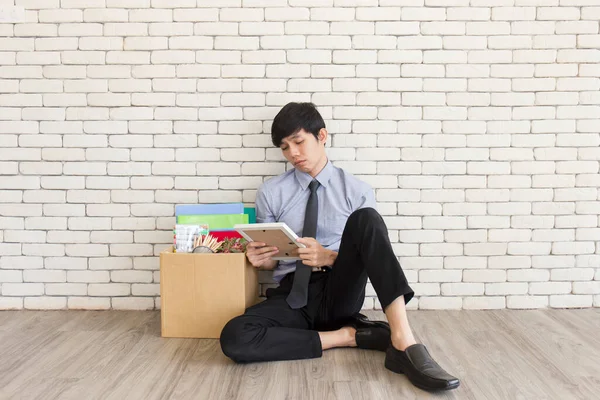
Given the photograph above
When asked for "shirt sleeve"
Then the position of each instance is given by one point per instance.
(367, 199)
(264, 211)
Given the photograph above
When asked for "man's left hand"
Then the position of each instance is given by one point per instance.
(315, 255)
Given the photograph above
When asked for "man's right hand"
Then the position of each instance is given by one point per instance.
(260, 255)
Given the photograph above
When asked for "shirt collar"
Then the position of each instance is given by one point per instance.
(323, 177)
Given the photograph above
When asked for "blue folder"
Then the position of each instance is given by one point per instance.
(200, 209)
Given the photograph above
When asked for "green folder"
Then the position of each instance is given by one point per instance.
(214, 221)
(251, 211)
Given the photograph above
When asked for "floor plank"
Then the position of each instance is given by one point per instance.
(500, 354)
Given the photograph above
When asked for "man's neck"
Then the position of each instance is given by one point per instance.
(317, 170)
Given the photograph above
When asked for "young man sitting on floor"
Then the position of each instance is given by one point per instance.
(316, 306)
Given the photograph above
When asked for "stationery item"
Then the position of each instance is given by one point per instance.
(206, 244)
(276, 234)
(200, 209)
(216, 222)
(222, 235)
(185, 236)
(251, 211)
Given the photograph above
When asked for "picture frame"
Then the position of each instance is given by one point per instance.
(276, 234)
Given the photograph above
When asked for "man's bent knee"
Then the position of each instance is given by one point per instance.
(363, 215)
(232, 344)
(237, 337)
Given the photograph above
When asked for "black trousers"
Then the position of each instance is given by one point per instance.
(271, 330)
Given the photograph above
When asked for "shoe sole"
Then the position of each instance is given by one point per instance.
(393, 366)
(397, 368)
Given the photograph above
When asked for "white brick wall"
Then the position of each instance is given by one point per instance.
(477, 123)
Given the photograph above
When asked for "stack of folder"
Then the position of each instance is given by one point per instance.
(220, 218)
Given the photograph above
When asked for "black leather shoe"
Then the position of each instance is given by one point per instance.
(418, 366)
(371, 335)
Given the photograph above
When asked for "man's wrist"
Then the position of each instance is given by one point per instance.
(272, 266)
(332, 257)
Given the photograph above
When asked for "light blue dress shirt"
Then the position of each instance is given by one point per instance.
(284, 198)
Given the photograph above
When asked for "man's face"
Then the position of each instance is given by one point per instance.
(304, 151)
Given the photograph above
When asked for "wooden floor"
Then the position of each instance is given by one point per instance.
(549, 354)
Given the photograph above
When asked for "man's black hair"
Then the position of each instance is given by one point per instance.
(292, 118)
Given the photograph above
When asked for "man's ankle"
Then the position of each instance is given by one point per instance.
(351, 336)
(402, 343)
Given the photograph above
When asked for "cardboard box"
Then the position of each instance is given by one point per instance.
(200, 293)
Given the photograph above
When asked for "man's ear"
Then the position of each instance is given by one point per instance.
(323, 135)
